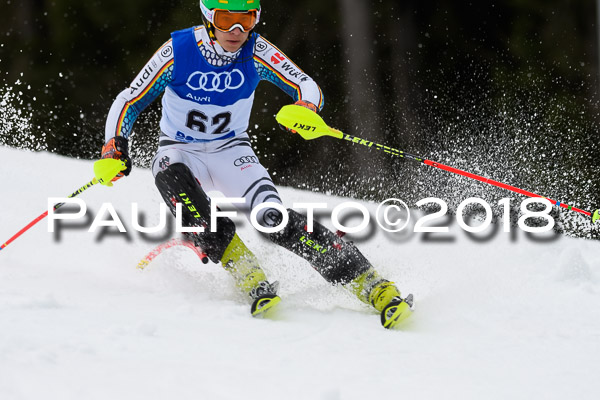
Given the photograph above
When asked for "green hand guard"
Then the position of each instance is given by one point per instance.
(106, 169)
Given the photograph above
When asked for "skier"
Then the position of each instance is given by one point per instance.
(207, 75)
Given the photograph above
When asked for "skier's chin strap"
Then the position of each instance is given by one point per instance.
(209, 28)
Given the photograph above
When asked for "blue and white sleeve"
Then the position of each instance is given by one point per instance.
(274, 66)
(145, 88)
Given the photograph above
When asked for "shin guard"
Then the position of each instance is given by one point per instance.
(177, 184)
(337, 261)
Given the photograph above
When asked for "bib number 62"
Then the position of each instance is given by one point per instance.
(197, 120)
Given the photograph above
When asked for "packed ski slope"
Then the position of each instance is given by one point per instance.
(496, 319)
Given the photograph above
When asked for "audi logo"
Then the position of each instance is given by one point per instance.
(245, 160)
(216, 82)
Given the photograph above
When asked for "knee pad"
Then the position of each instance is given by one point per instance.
(269, 217)
(337, 261)
(177, 184)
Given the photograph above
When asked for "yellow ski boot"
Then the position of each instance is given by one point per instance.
(384, 296)
(242, 264)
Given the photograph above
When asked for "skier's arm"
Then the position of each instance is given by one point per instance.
(274, 66)
(145, 88)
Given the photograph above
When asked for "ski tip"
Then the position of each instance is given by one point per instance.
(596, 216)
(143, 264)
(396, 312)
(265, 306)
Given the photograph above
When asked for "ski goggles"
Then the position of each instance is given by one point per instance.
(226, 21)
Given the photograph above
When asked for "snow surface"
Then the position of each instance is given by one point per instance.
(496, 319)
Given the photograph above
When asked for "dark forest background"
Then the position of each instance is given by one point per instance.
(506, 89)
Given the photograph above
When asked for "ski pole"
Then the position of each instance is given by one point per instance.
(310, 125)
(104, 170)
